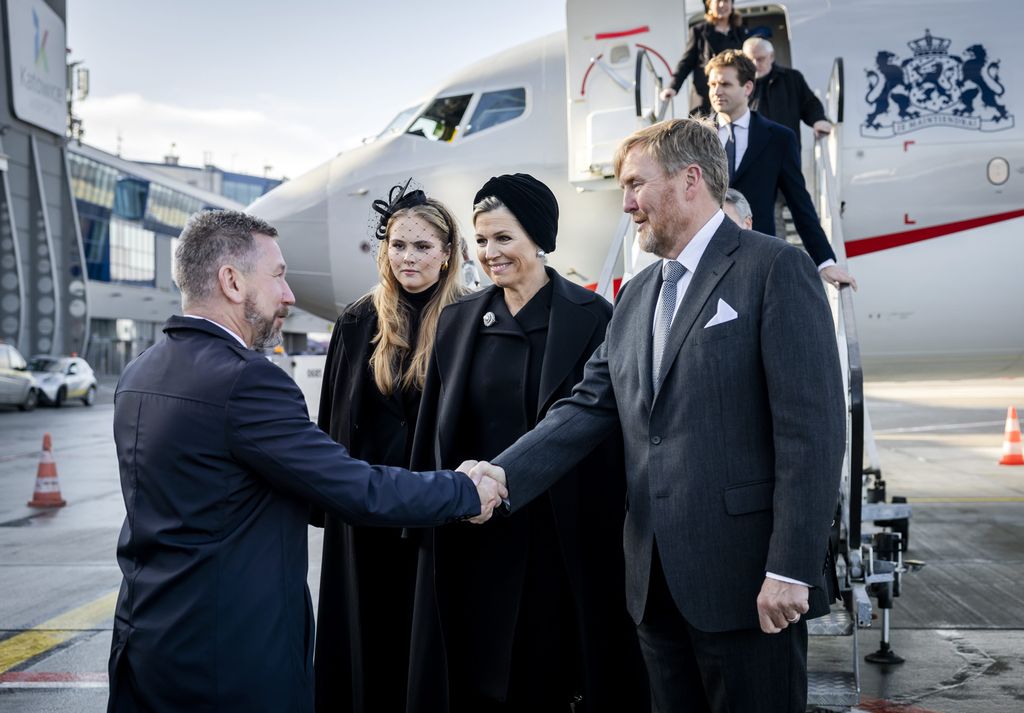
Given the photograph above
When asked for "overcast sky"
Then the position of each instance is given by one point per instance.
(259, 82)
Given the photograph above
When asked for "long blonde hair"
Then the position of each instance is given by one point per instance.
(391, 342)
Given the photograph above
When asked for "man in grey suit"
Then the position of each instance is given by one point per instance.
(720, 364)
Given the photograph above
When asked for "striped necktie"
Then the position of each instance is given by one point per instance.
(671, 272)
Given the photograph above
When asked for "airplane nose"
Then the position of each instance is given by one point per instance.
(298, 209)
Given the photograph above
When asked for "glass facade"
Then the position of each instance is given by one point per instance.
(120, 216)
(245, 189)
(132, 253)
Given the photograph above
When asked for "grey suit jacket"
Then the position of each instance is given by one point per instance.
(733, 466)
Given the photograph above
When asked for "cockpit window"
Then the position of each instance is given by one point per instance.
(496, 108)
(440, 120)
(396, 125)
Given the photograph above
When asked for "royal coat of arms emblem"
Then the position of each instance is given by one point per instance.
(934, 88)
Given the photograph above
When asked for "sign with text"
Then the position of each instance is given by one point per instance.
(36, 59)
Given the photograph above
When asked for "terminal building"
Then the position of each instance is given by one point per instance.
(87, 238)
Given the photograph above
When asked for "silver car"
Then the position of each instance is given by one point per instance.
(17, 385)
(61, 378)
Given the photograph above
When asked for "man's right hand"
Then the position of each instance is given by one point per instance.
(667, 94)
(490, 486)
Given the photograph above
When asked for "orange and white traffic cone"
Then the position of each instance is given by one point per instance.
(1012, 454)
(47, 491)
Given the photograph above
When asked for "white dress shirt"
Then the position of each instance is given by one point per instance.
(240, 340)
(690, 258)
(740, 132)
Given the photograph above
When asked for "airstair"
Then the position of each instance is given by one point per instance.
(616, 68)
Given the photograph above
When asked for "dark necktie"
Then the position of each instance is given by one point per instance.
(730, 153)
(671, 272)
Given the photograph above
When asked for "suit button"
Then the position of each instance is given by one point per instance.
(656, 440)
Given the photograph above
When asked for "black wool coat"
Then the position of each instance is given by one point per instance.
(368, 573)
(588, 508)
(784, 97)
(703, 43)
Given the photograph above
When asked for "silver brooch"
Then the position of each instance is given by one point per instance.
(489, 319)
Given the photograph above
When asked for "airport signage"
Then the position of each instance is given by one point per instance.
(36, 58)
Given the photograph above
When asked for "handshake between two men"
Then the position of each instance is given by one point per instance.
(490, 486)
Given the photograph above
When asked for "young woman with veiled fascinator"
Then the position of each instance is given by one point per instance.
(376, 366)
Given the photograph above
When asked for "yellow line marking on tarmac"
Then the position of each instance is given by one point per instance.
(1006, 499)
(39, 639)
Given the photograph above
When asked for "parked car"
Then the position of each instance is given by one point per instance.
(61, 378)
(17, 385)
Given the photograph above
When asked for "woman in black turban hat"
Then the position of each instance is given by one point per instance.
(527, 612)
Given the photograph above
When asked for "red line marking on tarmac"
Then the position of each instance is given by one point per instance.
(624, 33)
(895, 240)
(875, 705)
(51, 677)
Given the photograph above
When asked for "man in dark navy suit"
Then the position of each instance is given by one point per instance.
(219, 465)
(763, 160)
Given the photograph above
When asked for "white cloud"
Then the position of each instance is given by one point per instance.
(242, 140)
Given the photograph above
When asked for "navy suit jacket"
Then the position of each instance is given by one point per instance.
(771, 164)
(219, 465)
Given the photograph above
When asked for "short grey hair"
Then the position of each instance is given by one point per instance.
(678, 143)
(210, 240)
(740, 202)
(751, 42)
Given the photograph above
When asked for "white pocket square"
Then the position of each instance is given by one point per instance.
(724, 314)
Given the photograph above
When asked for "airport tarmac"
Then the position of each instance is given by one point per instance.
(959, 623)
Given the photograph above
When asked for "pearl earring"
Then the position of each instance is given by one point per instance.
(541, 253)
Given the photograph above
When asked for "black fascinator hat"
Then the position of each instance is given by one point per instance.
(399, 198)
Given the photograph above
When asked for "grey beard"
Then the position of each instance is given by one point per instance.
(652, 243)
(264, 335)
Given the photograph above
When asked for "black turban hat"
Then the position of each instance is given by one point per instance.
(530, 201)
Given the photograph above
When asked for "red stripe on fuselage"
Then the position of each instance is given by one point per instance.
(624, 33)
(865, 246)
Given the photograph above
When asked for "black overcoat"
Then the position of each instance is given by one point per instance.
(703, 43)
(368, 573)
(588, 513)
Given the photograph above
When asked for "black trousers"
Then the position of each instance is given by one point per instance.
(745, 671)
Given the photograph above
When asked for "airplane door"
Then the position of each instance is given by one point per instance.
(604, 41)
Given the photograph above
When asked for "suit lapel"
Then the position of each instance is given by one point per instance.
(712, 267)
(569, 331)
(757, 140)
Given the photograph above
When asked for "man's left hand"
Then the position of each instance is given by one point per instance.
(780, 604)
(822, 127)
(836, 276)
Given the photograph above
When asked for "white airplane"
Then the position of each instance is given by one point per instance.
(929, 159)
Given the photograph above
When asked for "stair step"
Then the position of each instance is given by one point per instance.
(837, 622)
(827, 688)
